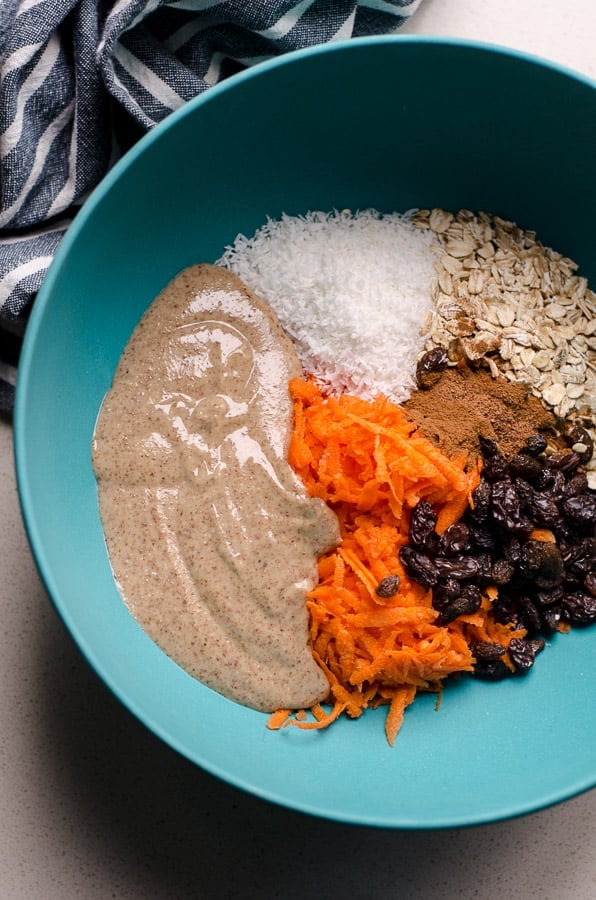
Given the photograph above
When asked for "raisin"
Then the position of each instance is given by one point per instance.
(523, 653)
(525, 465)
(563, 461)
(545, 480)
(505, 502)
(430, 366)
(568, 551)
(523, 525)
(506, 508)
(488, 447)
(482, 537)
(422, 523)
(454, 539)
(579, 609)
(542, 562)
(559, 483)
(418, 566)
(542, 509)
(578, 436)
(461, 567)
(531, 558)
(512, 549)
(485, 568)
(431, 544)
(502, 571)
(451, 612)
(524, 491)
(529, 615)
(495, 468)
(388, 586)
(504, 610)
(590, 583)
(566, 531)
(548, 598)
(467, 603)
(482, 499)
(484, 651)
(445, 593)
(579, 558)
(452, 588)
(491, 670)
(550, 573)
(577, 484)
(581, 509)
(473, 595)
(536, 444)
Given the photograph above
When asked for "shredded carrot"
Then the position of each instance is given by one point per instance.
(371, 465)
(279, 718)
(401, 698)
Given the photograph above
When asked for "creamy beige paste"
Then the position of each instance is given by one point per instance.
(211, 536)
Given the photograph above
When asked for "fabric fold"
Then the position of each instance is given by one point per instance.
(80, 80)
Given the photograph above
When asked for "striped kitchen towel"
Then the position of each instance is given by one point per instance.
(80, 80)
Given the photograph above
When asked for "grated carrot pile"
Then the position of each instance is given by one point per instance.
(371, 465)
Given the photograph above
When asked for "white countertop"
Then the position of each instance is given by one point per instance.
(93, 806)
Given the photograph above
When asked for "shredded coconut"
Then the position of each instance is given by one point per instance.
(351, 290)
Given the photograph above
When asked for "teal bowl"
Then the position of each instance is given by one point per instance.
(391, 123)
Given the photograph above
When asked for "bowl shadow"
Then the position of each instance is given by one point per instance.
(188, 834)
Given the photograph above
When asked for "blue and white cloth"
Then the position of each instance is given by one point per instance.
(80, 80)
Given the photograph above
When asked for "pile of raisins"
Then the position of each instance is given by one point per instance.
(542, 585)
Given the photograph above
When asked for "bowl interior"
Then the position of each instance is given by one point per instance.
(391, 123)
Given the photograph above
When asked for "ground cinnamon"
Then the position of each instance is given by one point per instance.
(465, 403)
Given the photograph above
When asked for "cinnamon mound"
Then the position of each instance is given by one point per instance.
(465, 403)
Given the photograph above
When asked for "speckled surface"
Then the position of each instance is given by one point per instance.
(93, 806)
